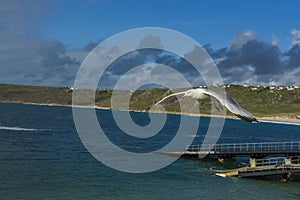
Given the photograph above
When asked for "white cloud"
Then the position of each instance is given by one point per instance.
(275, 40)
(151, 40)
(296, 36)
(242, 38)
(249, 78)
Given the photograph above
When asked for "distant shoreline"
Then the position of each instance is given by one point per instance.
(267, 119)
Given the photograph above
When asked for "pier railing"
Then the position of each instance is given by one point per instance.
(278, 161)
(246, 147)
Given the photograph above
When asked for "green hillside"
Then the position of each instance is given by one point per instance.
(261, 101)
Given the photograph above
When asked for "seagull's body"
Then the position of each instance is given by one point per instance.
(222, 97)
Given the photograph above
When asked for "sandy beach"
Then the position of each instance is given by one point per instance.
(284, 119)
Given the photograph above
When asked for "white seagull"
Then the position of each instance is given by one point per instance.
(222, 97)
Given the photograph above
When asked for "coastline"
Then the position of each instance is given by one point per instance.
(267, 119)
(282, 119)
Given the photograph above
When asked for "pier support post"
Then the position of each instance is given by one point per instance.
(252, 162)
(287, 160)
(287, 176)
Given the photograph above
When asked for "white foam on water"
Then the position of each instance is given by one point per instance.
(17, 128)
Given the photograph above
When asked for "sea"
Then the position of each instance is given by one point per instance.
(42, 157)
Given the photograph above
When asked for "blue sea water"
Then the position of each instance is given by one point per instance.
(42, 157)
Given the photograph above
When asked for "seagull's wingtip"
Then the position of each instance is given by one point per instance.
(247, 119)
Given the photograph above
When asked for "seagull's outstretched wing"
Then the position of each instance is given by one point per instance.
(167, 97)
(233, 106)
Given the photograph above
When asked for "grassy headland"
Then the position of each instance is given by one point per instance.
(261, 101)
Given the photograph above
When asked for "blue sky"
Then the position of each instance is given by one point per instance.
(216, 22)
(252, 42)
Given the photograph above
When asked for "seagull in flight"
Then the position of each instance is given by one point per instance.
(225, 99)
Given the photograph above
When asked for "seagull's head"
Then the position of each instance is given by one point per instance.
(197, 93)
(190, 93)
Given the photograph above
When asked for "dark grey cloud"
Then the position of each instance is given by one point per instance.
(19, 40)
(294, 56)
(215, 54)
(250, 60)
(264, 57)
(91, 45)
(146, 57)
(25, 58)
(53, 55)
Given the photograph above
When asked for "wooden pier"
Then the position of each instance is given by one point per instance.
(254, 150)
(261, 157)
(284, 166)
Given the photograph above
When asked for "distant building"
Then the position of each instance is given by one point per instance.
(280, 88)
(290, 88)
(272, 87)
(72, 89)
